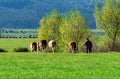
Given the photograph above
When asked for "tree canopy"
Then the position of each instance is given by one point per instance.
(108, 18)
(50, 26)
(64, 28)
(74, 27)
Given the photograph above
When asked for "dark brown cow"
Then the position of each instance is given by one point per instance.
(52, 46)
(73, 47)
(33, 46)
(42, 46)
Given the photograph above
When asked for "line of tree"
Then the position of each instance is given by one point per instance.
(64, 28)
(73, 26)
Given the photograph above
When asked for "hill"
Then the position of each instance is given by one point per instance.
(27, 13)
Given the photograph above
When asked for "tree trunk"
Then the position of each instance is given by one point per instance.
(113, 45)
(114, 42)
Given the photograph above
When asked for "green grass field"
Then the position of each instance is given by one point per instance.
(59, 66)
(15, 65)
(10, 44)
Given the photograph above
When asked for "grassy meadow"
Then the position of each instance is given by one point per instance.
(15, 65)
(10, 44)
(59, 66)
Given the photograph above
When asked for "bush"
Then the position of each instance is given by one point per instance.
(21, 49)
(103, 48)
(117, 46)
(2, 50)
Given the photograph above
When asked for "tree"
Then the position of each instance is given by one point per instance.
(49, 28)
(74, 27)
(108, 18)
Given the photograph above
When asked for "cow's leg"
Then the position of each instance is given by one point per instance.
(52, 49)
(43, 50)
(35, 50)
(72, 50)
(38, 50)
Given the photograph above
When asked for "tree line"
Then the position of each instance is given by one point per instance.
(73, 26)
(18, 33)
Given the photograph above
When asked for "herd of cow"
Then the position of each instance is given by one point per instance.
(41, 46)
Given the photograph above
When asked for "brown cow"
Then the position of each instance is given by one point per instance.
(73, 47)
(52, 46)
(33, 46)
(42, 46)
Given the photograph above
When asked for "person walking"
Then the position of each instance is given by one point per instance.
(88, 45)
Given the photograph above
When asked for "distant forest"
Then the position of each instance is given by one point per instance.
(18, 33)
(33, 33)
(27, 13)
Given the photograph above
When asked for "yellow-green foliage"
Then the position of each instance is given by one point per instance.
(50, 26)
(108, 18)
(63, 29)
(74, 27)
(9, 44)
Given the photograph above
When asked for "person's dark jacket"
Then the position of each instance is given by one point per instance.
(88, 44)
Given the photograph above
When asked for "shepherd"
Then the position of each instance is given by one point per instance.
(88, 45)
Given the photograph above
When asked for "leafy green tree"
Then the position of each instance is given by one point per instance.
(108, 18)
(49, 28)
(74, 27)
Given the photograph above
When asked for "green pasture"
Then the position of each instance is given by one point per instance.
(10, 44)
(59, 66)
(15, 65)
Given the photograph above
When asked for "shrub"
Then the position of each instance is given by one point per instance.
(2, 50)
(117, 46)
(103, 48)
(21, 49)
